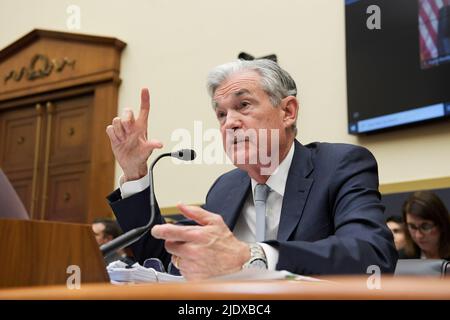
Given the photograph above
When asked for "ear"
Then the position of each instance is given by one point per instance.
(290, 107)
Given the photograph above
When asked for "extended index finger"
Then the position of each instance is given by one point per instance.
(145, 106)
(173, 232)
(199, 215)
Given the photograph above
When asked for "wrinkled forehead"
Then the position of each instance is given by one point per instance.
(238, 85)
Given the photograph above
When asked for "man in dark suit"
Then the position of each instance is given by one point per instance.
(311, 209)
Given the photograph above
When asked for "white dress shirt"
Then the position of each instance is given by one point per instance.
(245, 229)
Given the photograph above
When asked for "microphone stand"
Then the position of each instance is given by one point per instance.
(134, 235)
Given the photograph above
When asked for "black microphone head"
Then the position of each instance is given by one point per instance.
(184, 154)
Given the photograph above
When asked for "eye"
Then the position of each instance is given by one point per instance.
(221, 114)
(427, 226)
(244, 104)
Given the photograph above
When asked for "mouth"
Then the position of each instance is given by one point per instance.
(422, 243)
(237, 140)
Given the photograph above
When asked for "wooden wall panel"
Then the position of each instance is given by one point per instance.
(58, 92)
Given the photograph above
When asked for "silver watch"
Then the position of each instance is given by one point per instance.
(257, 259)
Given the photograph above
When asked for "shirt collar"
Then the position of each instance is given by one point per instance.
(277, 181)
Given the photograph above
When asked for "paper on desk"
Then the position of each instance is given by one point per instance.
(119, 273)
(262, 274)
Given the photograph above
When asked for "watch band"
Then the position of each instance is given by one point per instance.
(257, 257)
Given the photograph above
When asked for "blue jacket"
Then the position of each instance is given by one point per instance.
(331, 219)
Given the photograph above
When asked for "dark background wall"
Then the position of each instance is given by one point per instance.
(394, 201)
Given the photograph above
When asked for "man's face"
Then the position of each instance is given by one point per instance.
(399, 234)
(244, 110)
(99, 229)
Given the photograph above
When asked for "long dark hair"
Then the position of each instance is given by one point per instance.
(426, 205)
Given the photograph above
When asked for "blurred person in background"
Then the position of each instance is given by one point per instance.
(397, 226)
(106, 229)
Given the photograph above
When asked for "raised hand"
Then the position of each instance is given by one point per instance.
(129, 141)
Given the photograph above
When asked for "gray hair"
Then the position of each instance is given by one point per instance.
(275, 81)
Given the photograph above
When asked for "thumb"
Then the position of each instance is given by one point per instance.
(154, 144)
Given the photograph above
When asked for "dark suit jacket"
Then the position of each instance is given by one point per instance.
(331, 219)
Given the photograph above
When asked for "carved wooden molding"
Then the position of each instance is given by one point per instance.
(43, 61)
(40, 67)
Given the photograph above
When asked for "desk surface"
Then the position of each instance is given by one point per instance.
(333, 288)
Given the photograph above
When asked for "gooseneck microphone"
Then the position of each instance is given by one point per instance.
(134, 235)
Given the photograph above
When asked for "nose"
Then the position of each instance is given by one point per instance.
(418, 234)
(232, 121)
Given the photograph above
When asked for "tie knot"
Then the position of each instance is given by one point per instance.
(261, 192)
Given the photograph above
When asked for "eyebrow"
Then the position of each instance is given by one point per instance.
(239, 93)
(242, 92)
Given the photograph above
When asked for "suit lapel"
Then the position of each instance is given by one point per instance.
(232, 206)
(296, 192)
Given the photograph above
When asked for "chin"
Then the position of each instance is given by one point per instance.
(243, 156)
(424, 246)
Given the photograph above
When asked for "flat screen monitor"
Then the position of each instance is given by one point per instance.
(398, 63)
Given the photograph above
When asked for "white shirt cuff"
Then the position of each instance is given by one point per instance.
(272, 255)
(129, 188)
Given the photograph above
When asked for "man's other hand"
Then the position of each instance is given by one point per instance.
(209, 249)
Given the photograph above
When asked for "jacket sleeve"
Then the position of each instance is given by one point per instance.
(133, 212)
(361, 237)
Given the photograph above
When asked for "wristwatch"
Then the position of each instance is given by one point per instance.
(257, 259)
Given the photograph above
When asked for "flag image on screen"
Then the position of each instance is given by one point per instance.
(434, 32)
(398, 75)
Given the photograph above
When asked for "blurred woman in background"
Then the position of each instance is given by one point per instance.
(428, 227)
